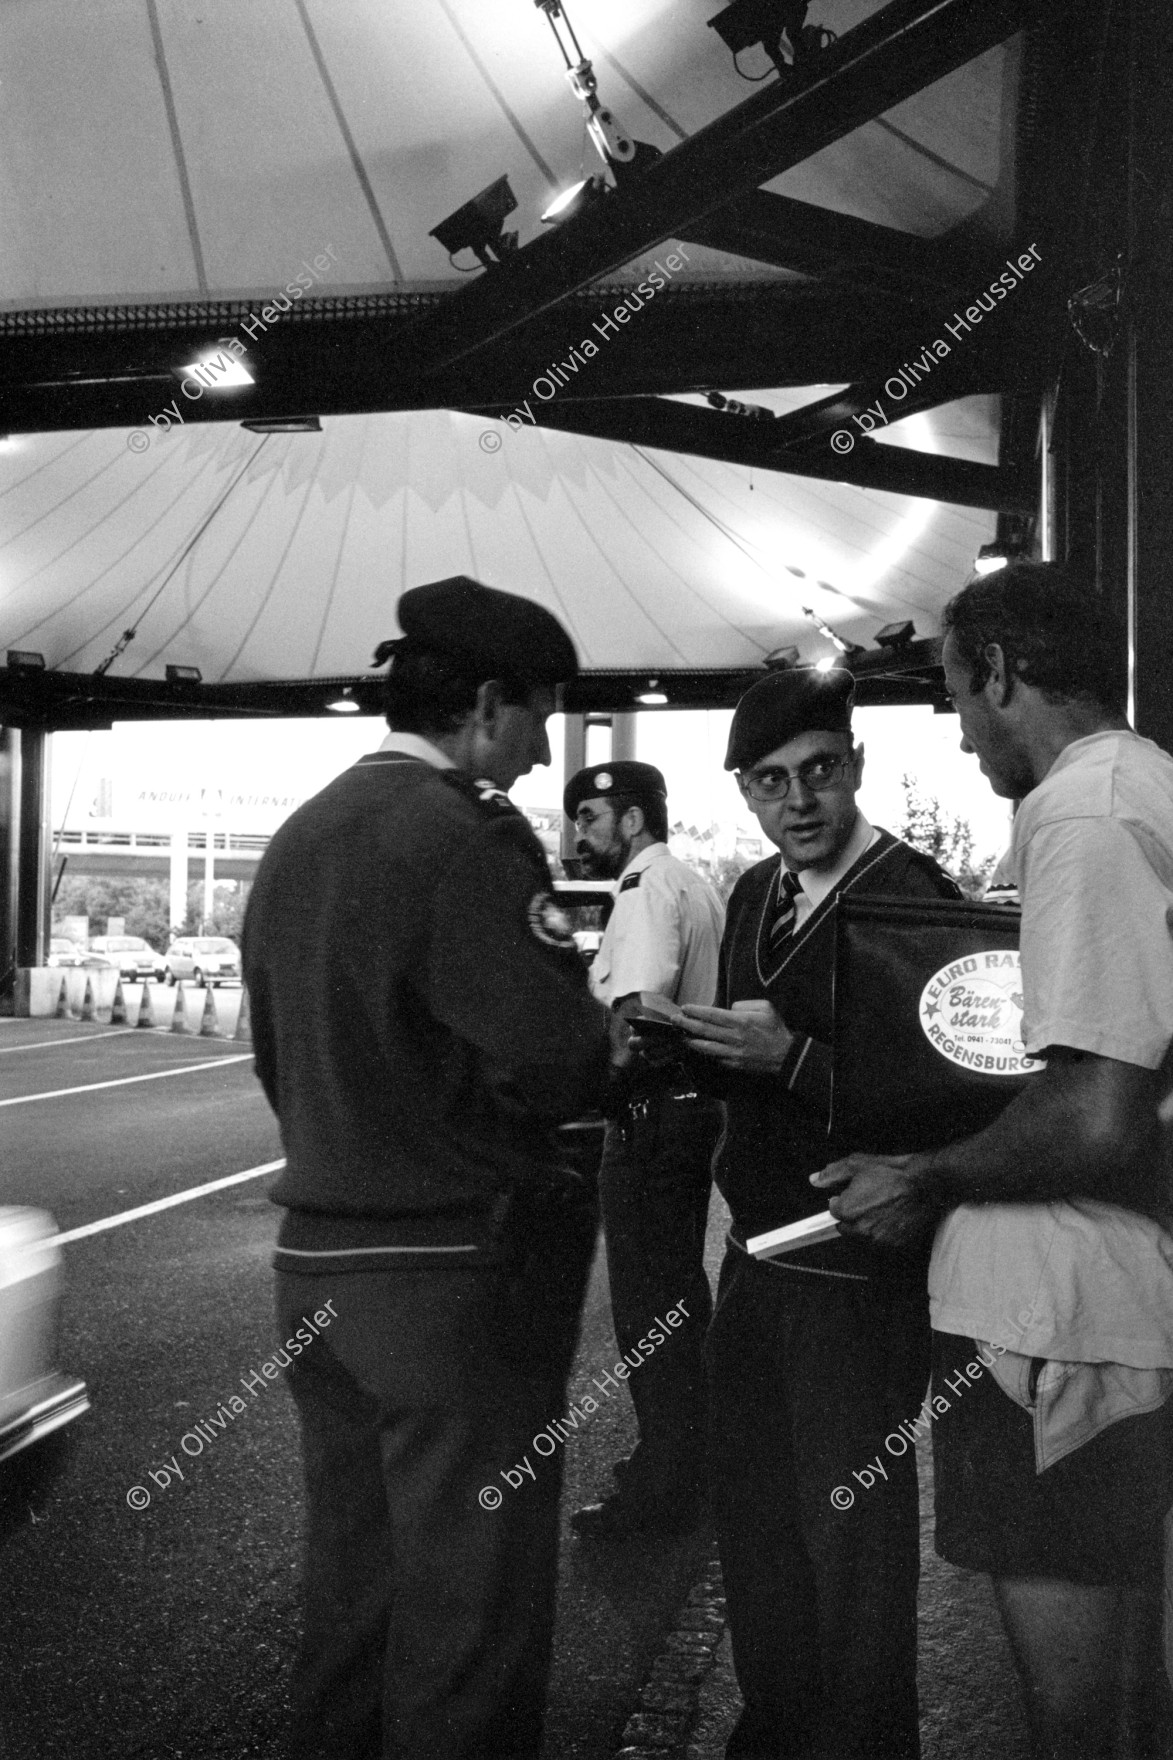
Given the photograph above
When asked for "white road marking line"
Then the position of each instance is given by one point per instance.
(74, 1039)
(215, 1185)
(124, 1081)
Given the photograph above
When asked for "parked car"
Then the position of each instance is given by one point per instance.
(135, 958)
(205, 959)
(64, 952)
(37, 1400)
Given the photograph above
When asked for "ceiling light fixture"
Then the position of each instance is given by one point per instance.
(216, 372)
(477, 226)
(990, 558)
(653, 696)
(25, 660)
(284, 425)
(581, 195)
(183, 675)
(827, 664)
(780, 658)
(344, 704)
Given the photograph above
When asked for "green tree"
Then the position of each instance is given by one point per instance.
(947, 838)
(229, 898)
(143, 903)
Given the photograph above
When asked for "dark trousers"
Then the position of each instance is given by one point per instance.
(808, 1375)
(430, 1574)
(654, 1184)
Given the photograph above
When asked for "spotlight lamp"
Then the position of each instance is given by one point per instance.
(778, 659)
(896, 635)
(991, 557)
(345, 703)
(183, 675)
(581, 195)
(477, 226)
(25, 660)
(284, 425)
(653, 696)
(778, 25)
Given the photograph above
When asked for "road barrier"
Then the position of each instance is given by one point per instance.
(179, 1017)
(210, 1020)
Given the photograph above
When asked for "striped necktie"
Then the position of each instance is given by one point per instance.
(783, 924)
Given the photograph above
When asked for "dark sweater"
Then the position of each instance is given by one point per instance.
(421, 1018)
(777, 1125)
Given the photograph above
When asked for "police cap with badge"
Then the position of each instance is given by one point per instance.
(624, 777)
(779, 707)
(488, 633)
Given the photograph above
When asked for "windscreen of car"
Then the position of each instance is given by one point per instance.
(214, 946)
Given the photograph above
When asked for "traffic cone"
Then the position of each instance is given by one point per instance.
(118, 1007)
(244, 1029)
(210, 1020)
(179, 1018)
(146, 1009)
(88, 1011)
(63, 1012)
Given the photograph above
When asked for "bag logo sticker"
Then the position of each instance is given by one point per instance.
(971, 1012)
(549, 921)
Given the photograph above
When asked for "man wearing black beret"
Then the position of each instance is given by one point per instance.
(662, 937)
(422, 1022)
(815, 1357)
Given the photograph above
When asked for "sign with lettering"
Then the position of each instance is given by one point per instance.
(971, 1012)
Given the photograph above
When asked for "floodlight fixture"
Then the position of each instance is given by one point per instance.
(776, 24)
(653, 696)
(991, 557)
(344, 704)
(477, 226)
(780, 658)
(827, 664)
(25, 660)
(183, 675)
(896, 635)
(580, 196)
(216, 372)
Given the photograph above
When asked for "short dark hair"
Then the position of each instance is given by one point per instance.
(1055, 633)
(654, 808)
(426, 692)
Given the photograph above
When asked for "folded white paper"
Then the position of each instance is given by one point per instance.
(808, 1233)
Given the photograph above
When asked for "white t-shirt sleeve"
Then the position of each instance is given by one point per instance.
(646, 952)
(1097, 955)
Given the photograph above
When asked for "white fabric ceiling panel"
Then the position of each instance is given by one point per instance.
(282, 556)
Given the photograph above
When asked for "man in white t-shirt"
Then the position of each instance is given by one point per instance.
(1051, 1282)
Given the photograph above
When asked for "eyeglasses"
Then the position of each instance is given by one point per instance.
(817, 774)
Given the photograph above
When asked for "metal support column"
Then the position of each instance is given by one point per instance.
(9, 853)
(34, 846)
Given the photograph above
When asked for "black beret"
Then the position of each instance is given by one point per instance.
(783, 704)
(624, 776)
(493, 634)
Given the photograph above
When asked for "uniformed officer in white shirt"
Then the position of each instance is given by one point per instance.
(663, 936)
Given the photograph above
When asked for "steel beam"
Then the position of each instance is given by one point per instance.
(770, 228)
(681, 427)
(891, 56)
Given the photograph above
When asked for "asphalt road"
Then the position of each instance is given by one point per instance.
(166, 1631)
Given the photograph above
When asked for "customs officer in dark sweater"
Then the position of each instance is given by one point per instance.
(422, 1022)
(814, 1357)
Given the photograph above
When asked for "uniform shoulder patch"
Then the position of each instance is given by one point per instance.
(631, 882)
(549, 921)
